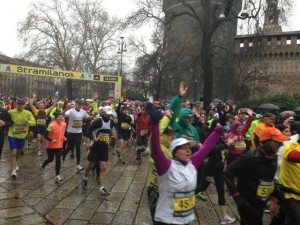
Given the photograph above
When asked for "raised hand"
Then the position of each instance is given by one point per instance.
(154, 114)
(122, 99)
(250, 112)
(182, 89)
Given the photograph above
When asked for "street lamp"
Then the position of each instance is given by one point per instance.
(122, 48)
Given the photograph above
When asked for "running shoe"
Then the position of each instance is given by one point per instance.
(118, 153)
(41, 167)
(84, 184)
(58, 179)
(72, 155)
(103, 192)
(14, 174)
(79, 168)
(228, 220)
(28, 146)
(17, 168)
(40, 153)
(138, 157)
(121, 161)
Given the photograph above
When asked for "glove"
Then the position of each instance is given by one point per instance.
(154, 114)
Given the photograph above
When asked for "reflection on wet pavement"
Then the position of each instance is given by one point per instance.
(34, 197)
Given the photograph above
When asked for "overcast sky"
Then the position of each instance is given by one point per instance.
(14, 11)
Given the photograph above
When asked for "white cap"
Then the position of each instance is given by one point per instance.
(216, 115)
(108, 110)
(178, 142)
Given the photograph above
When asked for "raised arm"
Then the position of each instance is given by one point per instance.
(248, 122)
(162, 163)
(198, 157)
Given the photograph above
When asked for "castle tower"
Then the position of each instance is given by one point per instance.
(271, 24)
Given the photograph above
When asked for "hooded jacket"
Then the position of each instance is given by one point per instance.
(178, 121)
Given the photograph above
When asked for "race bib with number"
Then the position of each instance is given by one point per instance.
(41, 122)
(19, 129)
(77, 123)
(154, 179)
(103, 138)
(144, 132)
(265, 189)
(240, 145)
(125, 126)
(184, 203)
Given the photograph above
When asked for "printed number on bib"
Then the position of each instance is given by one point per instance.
(19, 129)
(77, 124)
(144, 132)
(103, 138)
(241, 145)
(40, 122)
(154, 179)
(184, 203)
(125, 126)
(264, 189)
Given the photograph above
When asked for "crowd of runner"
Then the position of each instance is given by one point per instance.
(255, 157)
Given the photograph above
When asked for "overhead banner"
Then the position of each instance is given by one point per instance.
(63, 74)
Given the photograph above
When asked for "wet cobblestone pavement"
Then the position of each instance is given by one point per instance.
(34, 197)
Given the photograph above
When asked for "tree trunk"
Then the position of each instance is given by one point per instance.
(158, 86)
(69, 89)
(206, 61)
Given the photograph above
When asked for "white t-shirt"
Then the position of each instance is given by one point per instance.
(75, 120)
(176, 200)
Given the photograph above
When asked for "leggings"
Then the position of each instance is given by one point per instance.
(291, 208)
(73, 141)
(250, 215)
(2, 136)
(51, 153)
(153, 195)
(216, 172)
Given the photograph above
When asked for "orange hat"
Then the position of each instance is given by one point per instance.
(272, 133)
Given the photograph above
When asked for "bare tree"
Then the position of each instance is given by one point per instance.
(209, 17)
(69, 35)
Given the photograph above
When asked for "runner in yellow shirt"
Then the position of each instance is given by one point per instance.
(289, 180)
(17, 133)
(40, 114)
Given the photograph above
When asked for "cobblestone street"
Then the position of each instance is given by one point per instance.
(34, 197)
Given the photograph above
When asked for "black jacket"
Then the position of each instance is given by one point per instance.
(255, 179)
(4, 115)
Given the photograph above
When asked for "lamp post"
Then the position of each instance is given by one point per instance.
(121, 50)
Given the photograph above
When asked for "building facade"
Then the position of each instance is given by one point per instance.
(270, 59)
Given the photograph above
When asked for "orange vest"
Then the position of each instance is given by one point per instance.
(57, 133)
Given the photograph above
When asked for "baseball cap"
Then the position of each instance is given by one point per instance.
(21, 101)
(79, 101)
(178, 142)
(216, 116)
(269, 115)
(168, 130)
(258, 116)
(108, 110)
(272, 133)
(88, 100)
